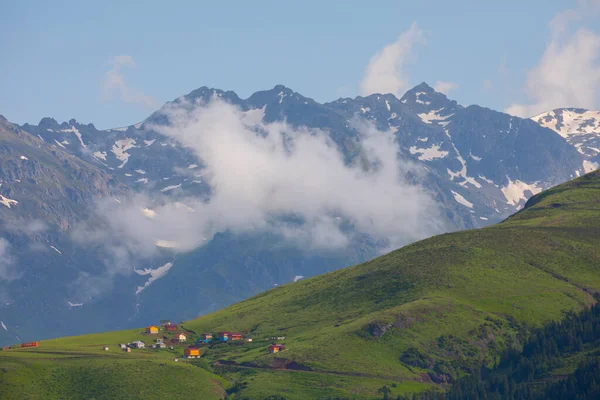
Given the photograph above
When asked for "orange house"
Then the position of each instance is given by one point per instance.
(152, 329)
(191, 352)
(276, 348)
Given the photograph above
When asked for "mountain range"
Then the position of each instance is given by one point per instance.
(68, 191)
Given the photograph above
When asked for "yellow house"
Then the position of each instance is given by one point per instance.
(152, 329)
(191, 352)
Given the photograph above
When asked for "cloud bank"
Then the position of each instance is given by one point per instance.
(270, 178)
(568, 74)
(8, 272)
(386, 72)
(114, 81)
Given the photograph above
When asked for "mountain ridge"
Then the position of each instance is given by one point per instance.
(478, 165)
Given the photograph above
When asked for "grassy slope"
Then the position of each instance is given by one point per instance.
(482, 287)
(457, 299)
(78, 368)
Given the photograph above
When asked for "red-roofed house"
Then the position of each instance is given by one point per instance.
(235, 336)
(276, 348)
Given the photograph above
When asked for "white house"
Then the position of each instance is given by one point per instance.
(138, 344)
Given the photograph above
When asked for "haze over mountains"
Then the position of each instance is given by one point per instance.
(214, 198)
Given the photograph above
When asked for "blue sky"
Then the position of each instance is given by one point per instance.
(56, 55)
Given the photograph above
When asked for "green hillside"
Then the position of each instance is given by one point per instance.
(414, 319)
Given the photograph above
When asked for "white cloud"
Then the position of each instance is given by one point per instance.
(386, 70)
(291, 182)
(568, 74)
(583, 10)
(114, 80)
(8, 271)
(445, 87)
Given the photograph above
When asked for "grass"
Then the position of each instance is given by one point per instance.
(426, 313)
(78, 368)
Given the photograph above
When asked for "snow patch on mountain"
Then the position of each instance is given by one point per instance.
(154, 275)
(418, 98)
(120, 150)
(76, 132)
(100, 154)
(461, 200)
(56, 250)
(433, 116)
(516, 191)
(8, 202)
(428, 154)
(3, 326)
(568, 122)
(72, 305)
(149, 142)
(169, 188)
(589, 166)
(24, 158)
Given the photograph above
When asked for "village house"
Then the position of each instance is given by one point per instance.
(180, 337)
(159, 345)
(159, 340)
(138, 344)
(170, 327)
(191, 352)
(123, 346)
(276, 348)
(223, 336)
(236, 336)
(152, 330)
(206, 337)
(127, 349)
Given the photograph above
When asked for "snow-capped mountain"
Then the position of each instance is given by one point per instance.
(579, 127)
(478, 164)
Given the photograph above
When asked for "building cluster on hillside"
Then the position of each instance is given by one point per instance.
(193, 351)
(225, 336)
